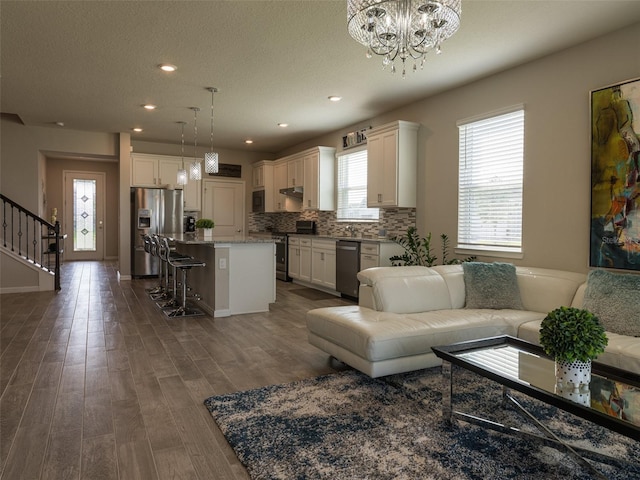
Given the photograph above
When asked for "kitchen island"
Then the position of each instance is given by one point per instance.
(239, 276)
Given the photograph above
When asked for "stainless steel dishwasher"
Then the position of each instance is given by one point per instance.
(347, 267)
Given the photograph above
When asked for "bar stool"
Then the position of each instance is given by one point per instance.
(149, 247)
(166, 253)
(185, 265)
(160, 292)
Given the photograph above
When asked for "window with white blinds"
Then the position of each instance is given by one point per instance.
(352, 188)
(490, 183)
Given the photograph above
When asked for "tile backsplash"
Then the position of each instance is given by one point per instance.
(393, 221)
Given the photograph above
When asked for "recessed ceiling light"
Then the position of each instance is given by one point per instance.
(167, 67)
(283, 125)
(335, 98)
(149, 106)
(137, 129)
(248, 141)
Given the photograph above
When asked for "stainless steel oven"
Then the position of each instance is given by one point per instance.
(281, 239)
(282, 252)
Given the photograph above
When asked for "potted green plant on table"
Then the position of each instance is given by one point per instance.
(207, 226)
(573, 337)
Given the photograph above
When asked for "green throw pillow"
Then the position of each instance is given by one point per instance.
(491, 285)
(615, 299)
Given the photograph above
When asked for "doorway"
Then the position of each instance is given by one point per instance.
(223, 202)
(83, 222)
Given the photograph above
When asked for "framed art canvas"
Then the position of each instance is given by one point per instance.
(615, 176)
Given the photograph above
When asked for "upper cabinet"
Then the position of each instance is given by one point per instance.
(295, 171)
(319, 181)
(161, 171)
(392, 152)
(279, 182)
(263, 179)
(262, 174)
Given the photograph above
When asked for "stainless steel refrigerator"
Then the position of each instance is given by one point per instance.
(153, 210)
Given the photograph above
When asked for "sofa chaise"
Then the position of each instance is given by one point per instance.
(404, 311)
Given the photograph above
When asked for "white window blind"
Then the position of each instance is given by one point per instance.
(490, 183)
(352, 188)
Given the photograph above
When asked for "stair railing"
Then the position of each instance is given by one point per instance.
(31, 237)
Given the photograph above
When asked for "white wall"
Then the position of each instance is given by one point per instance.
(555, 91)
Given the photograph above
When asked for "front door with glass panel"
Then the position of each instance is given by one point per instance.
(84, 215)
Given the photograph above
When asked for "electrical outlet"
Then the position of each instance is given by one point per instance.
(222, 264)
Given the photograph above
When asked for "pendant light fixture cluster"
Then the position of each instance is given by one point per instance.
(211, 164)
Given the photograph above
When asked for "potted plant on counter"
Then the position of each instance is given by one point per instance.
(207, 226)
(573, 337)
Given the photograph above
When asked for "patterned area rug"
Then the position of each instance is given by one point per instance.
(349, 426)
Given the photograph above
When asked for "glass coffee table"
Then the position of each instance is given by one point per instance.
(524, 367)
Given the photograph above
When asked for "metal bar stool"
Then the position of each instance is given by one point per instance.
(183, 263)
(149, 247)
(160, 292)
(170, 299)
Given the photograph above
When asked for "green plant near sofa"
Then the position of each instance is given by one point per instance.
(204, 223)
(418, 251)
(572, 334)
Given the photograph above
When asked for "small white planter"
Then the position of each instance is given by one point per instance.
(572, 381)
(207, 232)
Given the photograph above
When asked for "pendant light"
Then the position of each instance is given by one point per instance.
(211, 157)
(195, 170)
(182, 173)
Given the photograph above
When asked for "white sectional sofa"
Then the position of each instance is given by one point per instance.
(404, 311)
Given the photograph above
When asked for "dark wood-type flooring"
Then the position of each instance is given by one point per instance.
(97, 383)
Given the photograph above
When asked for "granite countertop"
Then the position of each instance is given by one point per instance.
(331, 237)
(198, 239)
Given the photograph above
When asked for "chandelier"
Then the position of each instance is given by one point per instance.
(404, 29)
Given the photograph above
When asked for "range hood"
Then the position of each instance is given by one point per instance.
(295, 192)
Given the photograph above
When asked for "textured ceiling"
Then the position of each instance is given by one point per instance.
(92, 64)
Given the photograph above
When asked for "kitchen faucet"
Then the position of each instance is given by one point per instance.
(351, 229)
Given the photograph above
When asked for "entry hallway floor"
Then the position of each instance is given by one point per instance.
(97, 383)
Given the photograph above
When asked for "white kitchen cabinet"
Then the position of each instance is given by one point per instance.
(323, 263)
(319, 180)
(295, 171)
(263, 179)
(279, 182)
(283, 203)
(144, 171)
(148, 170)
(300, 258)
(377, 254)
(262, 175)
(192, 195)
(392, 152)
(294, 257)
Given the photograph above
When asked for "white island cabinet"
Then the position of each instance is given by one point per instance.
(239, 276)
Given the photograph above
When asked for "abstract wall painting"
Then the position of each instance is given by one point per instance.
(615, 176)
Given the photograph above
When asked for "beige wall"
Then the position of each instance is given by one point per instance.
(25, 152)
(555, 93)
(55, 194)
